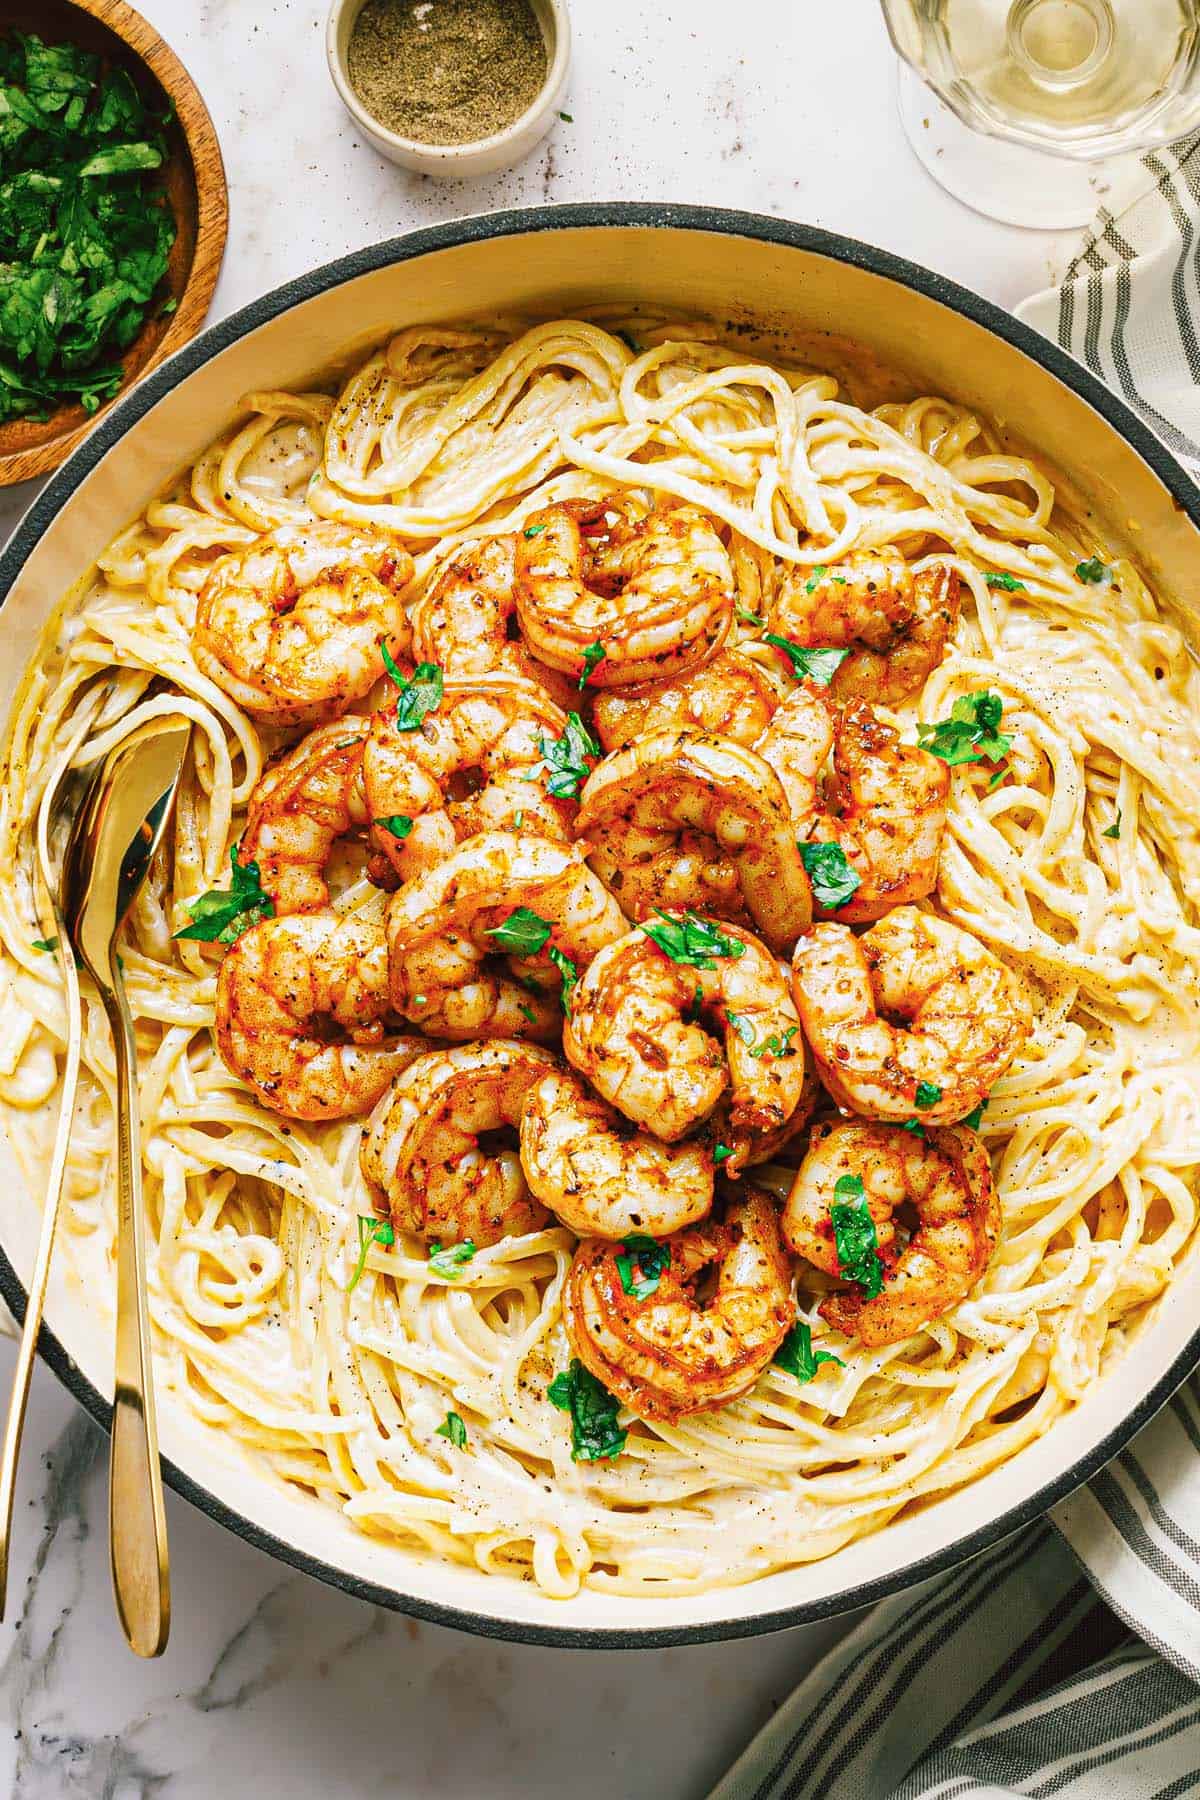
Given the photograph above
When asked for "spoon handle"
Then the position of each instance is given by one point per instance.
(36, 1301)
(137, 1523)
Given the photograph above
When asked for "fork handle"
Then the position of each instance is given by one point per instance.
(136, 1520)
(36, 1300)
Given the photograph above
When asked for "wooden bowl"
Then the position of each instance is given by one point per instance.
(194, 179)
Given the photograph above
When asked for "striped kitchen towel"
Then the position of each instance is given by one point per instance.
(1008, 1677)
(1128, 305)
(1066, 1661)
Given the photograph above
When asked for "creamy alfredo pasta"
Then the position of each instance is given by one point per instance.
(337, 1352)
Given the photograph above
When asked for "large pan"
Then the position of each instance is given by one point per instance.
(766, 277)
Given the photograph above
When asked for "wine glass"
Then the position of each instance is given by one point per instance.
(1044, 100)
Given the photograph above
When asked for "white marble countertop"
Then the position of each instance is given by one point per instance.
(272, 1684)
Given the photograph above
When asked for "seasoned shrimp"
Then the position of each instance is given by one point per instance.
(603, 1177)
(885, 806)
(947, 1180)
(487, 737)
(299, 807)
(650, 809)
(671, 1353)
(279, 983)
(661, 599)
(734, 694)
(431, 1151)
(895, 624)
(462, 623)
(446, 927)
(290, 626)
(963, 1016)
(637, 1030)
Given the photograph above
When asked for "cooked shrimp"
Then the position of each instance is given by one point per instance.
(733, 694)
(895, 624)
(442, 935)
(885, 806)
(671, 1353)
(963, 1016)
(603, 1177)
(662, 598)
(462, 623)
(279, 983)
(487, 737)
(424, 1154)
(947, 1180)
(290, 626)
(637, 1030)
(299, 807)
(647, 807)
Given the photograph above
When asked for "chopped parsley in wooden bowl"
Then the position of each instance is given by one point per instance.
(113, 214)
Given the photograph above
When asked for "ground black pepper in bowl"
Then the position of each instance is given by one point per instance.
(446, 71)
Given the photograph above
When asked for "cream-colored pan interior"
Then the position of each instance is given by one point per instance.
(771, 288)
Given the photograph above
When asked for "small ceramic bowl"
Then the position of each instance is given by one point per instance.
(452, 161)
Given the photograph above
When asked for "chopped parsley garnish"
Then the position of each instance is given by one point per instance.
(566, 759)
(532, 531)
(370, 1231)
(595, 1434)
(692, 940)
(694, 1006)
(778, 1044)
(569, 973)
(833, 880)
(399, 824)
(722, 1153)
(47, 945)
(819, 663)
(568, 118)
(527, 1012)
(854, 1235)
(523, 933)
(928, 1094)
(975, 1119)
(593, 654)
(640, 1264)
(1093, 571)
(915, 1126)
(416, 698)
(449, 1262)
(815, 579)
(221, 915)
(746, 617)
(797, 1357)
(454, 1429)
(744, 1029)
(1114, 830)
(392, 666)
(999, 578)
(971, 733)
(85, 227)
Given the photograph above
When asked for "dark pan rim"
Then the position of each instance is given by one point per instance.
(456, 233)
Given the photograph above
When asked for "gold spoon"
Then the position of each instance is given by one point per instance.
(62, 802)
(115, 836)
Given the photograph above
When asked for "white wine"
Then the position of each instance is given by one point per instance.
(1085, 78)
